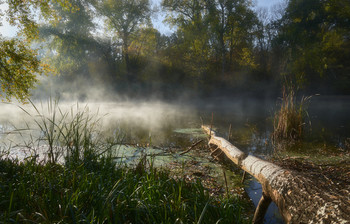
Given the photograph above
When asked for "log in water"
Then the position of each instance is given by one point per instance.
(300, 199)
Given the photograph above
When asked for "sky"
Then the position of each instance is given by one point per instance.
(8, 31)
(267, 3)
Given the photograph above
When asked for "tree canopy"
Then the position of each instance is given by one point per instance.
(216, 45)
(19, 64)
(314, 36)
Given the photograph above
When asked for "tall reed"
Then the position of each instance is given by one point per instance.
(74, 134)
(103, 192)
(290, 119)
(90, 187)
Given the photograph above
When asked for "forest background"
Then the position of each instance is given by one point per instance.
(216, 47)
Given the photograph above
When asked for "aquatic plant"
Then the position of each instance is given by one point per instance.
(289, 120)
(89, 186)
(74, 134)
(101, 191)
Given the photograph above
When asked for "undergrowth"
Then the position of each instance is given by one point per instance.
(88, 186)
(101, 192)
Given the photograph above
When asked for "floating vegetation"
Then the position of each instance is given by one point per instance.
(195, 132)
(91, 184)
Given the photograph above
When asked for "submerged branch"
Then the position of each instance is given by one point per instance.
(192, 147)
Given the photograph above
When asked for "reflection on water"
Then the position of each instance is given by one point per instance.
(163, 124)
(254, 191)
(158, 127)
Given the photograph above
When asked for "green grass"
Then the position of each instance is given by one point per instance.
(315, 152)
(90, 187)
(104, 192)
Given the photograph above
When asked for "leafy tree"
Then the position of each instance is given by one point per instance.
(147, 42)
(18, 68)
(19, 64)
(232, 24)
(69, 41)
(190, 48)
(124, 18)
(314, 35)
(213, 37)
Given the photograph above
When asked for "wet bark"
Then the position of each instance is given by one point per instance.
(300, 198)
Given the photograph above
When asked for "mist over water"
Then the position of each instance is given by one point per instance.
(155, 87)
(151, 117)
(157, 122)
(134, 118)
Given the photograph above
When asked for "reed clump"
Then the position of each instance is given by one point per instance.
(290, 119)
(89, 186)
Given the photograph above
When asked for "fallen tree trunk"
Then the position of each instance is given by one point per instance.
(300, 199)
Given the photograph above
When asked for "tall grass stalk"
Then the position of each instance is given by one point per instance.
(90, 187)
(74, 134)
(101, 192)
(289, 120)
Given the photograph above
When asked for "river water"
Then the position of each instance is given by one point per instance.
(157, 125)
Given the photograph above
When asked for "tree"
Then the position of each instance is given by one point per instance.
(314, 35)
(190, 49)
(124, 17)
(69, 41)
(19, 64)
(214, 37)
(147, 42)
(18, 68)
(231, 23)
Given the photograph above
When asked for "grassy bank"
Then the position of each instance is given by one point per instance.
(102, 192)
(80, 182)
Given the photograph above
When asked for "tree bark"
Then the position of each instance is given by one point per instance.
(261, 209)
(300, 199)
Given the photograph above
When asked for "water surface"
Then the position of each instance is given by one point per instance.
(158, 127)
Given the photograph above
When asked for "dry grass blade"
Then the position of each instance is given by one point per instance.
(289, 120)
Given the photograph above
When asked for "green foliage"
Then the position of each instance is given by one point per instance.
(24, 14)
(214, 37)
(232, 24)
(100, 192)
(314, 35)
(74, 49)
(216, 42)
(19, 66)
(90, 187)
(146, 42)
(124, 18)
(69, 41)
(19, 63)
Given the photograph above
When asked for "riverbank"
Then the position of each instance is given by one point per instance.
(73, 171)
(102, 191)
(329, 166)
